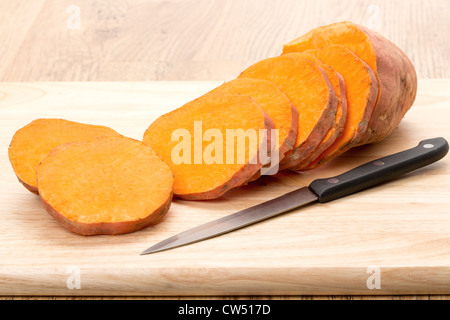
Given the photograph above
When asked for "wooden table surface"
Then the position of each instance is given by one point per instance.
(142, 40)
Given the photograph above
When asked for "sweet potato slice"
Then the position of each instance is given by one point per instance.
(107, 185)
(361, 92)
(309, 89)
(395, 73)
(32, 143)
(200, 143)
(274, 102)
(338, 83)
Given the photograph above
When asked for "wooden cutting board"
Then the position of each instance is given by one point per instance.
(392, 239)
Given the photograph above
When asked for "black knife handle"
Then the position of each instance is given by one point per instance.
(379, 171)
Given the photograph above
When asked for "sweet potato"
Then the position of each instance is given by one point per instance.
(107, 185)
(207, 170)
(338, 83)
(395, 73)
(361, 92)
(307, 86)
(274, 102)
(32, 143)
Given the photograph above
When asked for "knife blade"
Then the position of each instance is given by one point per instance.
(321, 190)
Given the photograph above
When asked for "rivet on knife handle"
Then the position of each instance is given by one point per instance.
(380, 170)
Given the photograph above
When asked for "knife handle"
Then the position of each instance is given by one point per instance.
(379, 171)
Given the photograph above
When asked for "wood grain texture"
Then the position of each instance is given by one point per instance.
(402, 227)
(138, 40)
(135, 40)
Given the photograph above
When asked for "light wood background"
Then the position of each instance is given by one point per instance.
(142, 40)
(139, 40)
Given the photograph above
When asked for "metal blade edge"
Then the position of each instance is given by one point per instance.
(240, 219)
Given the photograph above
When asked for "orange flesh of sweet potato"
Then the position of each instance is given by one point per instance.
(340, 127)
(361, 92)
(309, 89)
(204, 179)
(338, 83)
(395, 73)
(32, 143)
(274, 102)
(107, 185)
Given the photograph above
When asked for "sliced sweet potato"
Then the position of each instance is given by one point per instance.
(206, 170)
(307, 86)
(107, 185)
(361, 92)
(32, 143)
(395, 73)
(274, 102)
(338, 83)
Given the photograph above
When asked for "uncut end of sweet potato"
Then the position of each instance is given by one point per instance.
(398, 88)
(109, 228)
(326, 143)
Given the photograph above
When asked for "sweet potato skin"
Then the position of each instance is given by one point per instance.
(336, 130)
(296, 156)
(109, 228)
(288, 72)
(241, 86)
(398, 88)
(30, 188)
(60, 194)
(305, 164)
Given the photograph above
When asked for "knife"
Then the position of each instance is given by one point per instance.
(322, 190)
